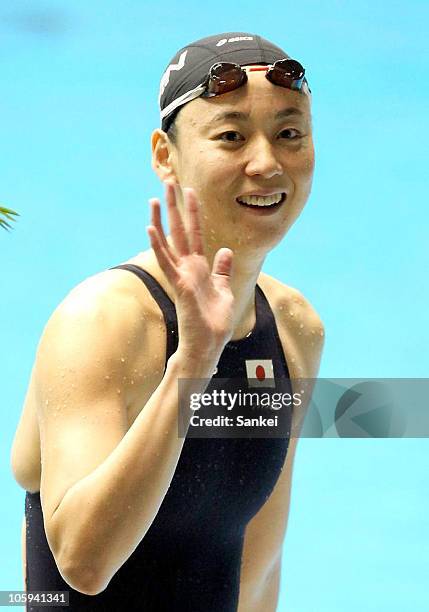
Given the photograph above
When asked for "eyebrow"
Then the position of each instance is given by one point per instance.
(240, 116)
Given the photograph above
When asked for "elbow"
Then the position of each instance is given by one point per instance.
(79, 573)
(82, 579)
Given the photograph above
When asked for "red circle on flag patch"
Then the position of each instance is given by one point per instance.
(260, 372)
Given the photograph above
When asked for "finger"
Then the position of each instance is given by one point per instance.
(157, 223)
(178, 231)
(222, 267)
(162, 255)
(195, 232)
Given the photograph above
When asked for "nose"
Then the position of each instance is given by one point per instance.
(262, 160)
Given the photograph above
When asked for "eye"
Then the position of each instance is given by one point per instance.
(291, 130)
(229, 136)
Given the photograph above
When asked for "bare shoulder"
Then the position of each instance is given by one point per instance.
(103, 304)
(300, 326)
(120, 309)
(116, 295)
(101, 287)
(283, 295)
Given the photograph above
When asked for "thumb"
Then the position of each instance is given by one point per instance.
(222, 263)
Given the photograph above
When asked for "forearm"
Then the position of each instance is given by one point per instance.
(104, 516)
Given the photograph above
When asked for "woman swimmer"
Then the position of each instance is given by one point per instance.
(127, 513)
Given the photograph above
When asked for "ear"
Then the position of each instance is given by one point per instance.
(162, 153)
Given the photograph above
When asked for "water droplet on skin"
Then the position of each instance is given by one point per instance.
(321, 332)
(118, 391)
(107, 377)
(122, 359)
(301, 325)
(293, 360)
(292, 314)
(47, 402)
(132, 382)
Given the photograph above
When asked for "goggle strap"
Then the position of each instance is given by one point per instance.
(305, 88)
(183, 99)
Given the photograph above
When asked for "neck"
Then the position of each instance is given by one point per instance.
(244, 279)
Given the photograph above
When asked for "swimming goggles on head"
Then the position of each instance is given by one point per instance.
(224, 77)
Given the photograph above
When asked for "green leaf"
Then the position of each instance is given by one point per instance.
(6, 213)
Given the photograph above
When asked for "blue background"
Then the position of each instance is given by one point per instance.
(78, 101)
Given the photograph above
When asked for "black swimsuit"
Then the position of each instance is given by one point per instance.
(189, 559)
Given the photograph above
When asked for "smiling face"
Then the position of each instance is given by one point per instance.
(254, 140)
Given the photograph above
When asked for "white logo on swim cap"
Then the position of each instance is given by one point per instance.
(222, 41)
(166, 76)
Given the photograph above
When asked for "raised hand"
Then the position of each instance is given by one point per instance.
(203, 297)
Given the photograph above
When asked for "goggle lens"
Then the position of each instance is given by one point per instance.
(224, 77)
(286, 73)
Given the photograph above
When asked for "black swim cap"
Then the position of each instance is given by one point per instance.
(190, 66)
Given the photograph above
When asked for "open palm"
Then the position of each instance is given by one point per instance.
(203, 298)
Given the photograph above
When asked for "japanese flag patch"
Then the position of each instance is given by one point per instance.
(260, 373)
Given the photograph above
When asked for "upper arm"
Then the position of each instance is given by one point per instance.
(265, 532)
(81, 403)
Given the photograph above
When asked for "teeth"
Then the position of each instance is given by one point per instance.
(261, 200)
